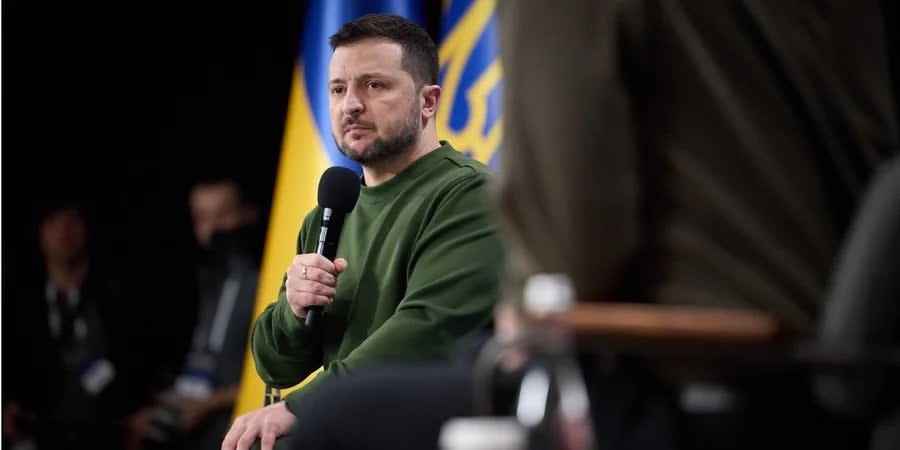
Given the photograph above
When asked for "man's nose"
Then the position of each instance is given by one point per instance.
(353, 105)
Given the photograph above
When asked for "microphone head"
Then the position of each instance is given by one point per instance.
(339, 189)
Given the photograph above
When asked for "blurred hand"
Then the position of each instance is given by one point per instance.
(192, 412)
(311, 281)
(195, 411)
(267, 424)
(508, 328)
(508, 325)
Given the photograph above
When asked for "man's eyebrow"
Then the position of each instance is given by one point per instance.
(368, 75)
(364, 76)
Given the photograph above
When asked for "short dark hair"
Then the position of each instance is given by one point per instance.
(49, 206)
(420, 57)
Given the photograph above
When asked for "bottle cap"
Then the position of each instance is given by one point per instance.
(547, 293)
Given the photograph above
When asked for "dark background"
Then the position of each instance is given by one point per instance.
(124, 104)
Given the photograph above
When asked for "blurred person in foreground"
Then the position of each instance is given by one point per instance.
(676, 152)
(73, 360)
(195, 411)
(734, 142)
(419, 256)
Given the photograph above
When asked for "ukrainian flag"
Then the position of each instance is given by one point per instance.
(307, 150)
(469, 113)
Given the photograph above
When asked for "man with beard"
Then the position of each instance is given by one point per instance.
(419, 257)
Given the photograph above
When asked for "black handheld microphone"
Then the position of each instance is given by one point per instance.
(338, 192)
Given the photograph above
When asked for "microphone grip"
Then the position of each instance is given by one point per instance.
(327, 247)
(312, 315)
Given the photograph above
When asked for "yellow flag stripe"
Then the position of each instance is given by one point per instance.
(303, 159)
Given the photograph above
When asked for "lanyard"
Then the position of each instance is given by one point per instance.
(211, 338)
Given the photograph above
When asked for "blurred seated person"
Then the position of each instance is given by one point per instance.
(195, 411)
(71, 351)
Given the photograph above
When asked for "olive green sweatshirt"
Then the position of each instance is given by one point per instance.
(423, 261)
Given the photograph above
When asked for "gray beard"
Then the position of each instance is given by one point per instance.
(384, 150)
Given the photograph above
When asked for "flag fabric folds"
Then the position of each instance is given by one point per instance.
(307, 150)
(469, 111)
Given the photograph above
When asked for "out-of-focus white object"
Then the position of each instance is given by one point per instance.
(482, 433)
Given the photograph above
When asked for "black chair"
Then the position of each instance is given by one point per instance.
(862, 310)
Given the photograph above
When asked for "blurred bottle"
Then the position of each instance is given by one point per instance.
(553, 404)
(551, 409)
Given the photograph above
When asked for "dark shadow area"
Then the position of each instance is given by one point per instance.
(123, 105)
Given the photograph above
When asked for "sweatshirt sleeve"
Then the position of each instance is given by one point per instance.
(284, 349)
(451, 291)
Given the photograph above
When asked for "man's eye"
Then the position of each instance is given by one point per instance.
(375, 85)
(337, 90)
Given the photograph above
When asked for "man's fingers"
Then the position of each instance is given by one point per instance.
(340, 264)
(247, 438)
(267, 440)
(314, 260)
(317, 300)
(298, 284)
(311, 287)
(320, 276)
(234, 432)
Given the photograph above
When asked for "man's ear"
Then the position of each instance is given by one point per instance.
(431, 93)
